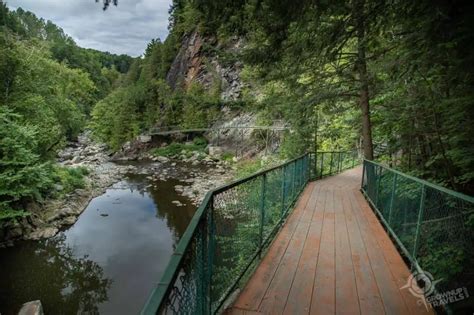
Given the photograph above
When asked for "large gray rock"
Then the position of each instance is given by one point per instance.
(215, 151)
(144, 138)
(31, 308)
(43, 233)
(162, 159)
(76, 159)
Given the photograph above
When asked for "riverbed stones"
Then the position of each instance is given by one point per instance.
(15, 232)
(215, 151)
(76, 159)
(163, 159)
(204, 172)
(69, 220)
(42, 233)
(144, 138)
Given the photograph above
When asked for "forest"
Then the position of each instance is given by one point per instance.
(48, 88)
(381, 90)
(393, 79)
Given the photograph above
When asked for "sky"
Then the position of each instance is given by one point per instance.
(122, 29)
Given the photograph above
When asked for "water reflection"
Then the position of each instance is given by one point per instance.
(108, 261)
(64, 282)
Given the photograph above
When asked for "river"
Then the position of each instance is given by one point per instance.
(108, 261)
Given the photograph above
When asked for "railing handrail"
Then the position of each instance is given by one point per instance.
(174, 264)
(254, 175)
(433, 213)
(424, 182)
(162, 290)
(159, 293)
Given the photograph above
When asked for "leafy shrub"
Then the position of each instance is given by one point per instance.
(70, 178)
(23, 176)
(200, 141)
(227, 156)
(175, 148)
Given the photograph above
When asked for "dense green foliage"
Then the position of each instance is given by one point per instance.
(316, 64)
(144, 99)
(175, 149)
(48, 86)
(391, 78)
(419, 78)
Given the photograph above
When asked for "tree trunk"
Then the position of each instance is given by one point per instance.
(364, 80)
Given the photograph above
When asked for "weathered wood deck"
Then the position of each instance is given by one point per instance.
(332, 256)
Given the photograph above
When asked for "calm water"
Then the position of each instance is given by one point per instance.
(108, 261)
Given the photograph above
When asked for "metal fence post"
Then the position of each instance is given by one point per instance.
(300, 174)
(340, 162)
(293, 181)
(363, 175)
(392, 198)
(307, 166)
(262, 212)
(420, 218)
(315, 165)
(377, 185)
(330, 163)
(201, 286)
(283, 187)
(322, 164)
(210, 252)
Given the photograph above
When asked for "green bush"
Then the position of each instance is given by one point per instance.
(70, 178)
(248, 167)
(174, 149)
(169, 150)
(23, 176)
(200, 141)
(227, 156)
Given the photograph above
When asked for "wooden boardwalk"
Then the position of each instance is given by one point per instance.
(332, 256)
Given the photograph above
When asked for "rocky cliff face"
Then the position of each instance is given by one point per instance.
(194, 63)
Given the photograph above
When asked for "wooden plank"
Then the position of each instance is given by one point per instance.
(332, 256)
(239, 311)
(276, 296)
(389, 292)
(397, 266)
(368, 293)
(255, 290)
(323, 298)
(299, 298)
(347, 301)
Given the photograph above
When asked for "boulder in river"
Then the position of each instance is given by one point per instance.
(31, 308)
(162, 159)
(42, 233)
(144, 138)
(215, 151)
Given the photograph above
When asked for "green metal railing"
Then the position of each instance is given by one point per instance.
(327, 163)
(227, 235)
(433, 226)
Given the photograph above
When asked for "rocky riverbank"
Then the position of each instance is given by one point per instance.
(198, 170)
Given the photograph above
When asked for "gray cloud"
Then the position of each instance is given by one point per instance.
(125, 29)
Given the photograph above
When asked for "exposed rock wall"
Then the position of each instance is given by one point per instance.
(194, 63)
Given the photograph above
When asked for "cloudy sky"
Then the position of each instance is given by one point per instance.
(125, 29)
